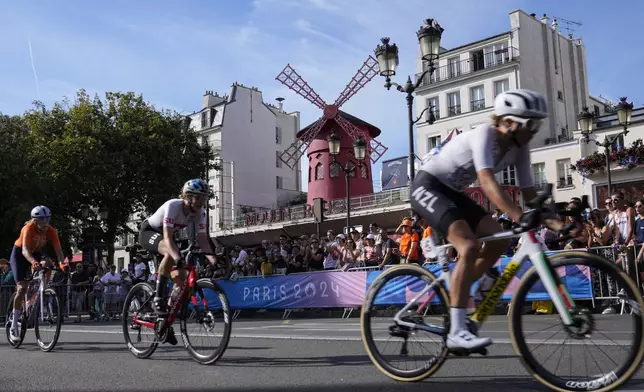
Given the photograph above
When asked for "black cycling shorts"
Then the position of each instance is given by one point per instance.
(149, 237)
(20, 266)
(441, 205)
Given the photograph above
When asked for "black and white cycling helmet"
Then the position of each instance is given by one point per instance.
(40, 212)
(521, 103)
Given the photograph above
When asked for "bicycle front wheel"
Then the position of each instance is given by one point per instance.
(607, 363)
(387, 295)
(207, 315)
(48, 322)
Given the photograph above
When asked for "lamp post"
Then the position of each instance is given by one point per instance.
(429, 39)
(359, 151)
(585, 120)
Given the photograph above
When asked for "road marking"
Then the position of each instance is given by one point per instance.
(358, 339)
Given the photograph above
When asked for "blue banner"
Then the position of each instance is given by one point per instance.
(348, 289)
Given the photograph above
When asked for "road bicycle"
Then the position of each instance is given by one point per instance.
(194, 301)
(578, 321)
(40, 311)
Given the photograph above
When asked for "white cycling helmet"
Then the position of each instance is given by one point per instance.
(40, 212)
(196, 186)
(521, 103)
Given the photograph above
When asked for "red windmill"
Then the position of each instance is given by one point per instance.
(332, 118)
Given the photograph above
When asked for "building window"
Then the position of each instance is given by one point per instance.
(501, 86)
(454, 103)
(507, 176)
(596, 110)
(496, 54)
(454, 67)
(618, 144)
(334, 170)
(278, 135)
(477, 98)
(477, 60)
(564, 174)
(560, 95)
(310, 178)
(279, 182)
(204, 119)
(432, 104)
(278, 161)
(433, 142)
(121, 264)
(539, 174)
(319, 171)
(363, 171)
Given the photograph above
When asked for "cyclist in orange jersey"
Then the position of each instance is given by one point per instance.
(26, 254)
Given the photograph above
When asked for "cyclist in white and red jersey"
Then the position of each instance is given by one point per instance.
(156, 235)
(437, 195)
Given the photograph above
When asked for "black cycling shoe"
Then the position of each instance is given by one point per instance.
(171, 338)
(159, 305)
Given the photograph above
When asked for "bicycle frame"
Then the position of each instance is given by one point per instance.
(187, 287)
(529, 250)
(38, 296)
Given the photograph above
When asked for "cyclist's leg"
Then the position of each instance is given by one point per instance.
(453, 215)
(19, 268)
(152, 241)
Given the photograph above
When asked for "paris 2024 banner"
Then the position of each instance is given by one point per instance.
(337, 289)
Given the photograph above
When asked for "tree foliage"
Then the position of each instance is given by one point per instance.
(118, 153)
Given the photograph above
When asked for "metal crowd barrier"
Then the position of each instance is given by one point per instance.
(79, 301)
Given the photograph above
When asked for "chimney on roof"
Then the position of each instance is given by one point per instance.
(544, 19)
(210, 99)
(280, 103)
(555, 24)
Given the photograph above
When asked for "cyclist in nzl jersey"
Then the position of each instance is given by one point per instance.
(437, 196)
(156, 235)
(26, 254)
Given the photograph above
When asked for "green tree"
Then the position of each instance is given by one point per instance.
(119, 153)
(16, 198)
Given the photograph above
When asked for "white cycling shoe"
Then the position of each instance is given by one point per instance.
(465, 340)
(15, 333)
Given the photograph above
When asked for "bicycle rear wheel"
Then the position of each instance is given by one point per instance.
(382, 302)
(211, 309)
(140, 340)
(22, 321)
(51, 319)
(572, 267)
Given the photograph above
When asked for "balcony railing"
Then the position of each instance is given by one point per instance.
(453, 110)
(476, 63)
(477, 105)
(564, 182)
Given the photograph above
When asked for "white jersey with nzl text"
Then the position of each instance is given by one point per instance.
(468, 153)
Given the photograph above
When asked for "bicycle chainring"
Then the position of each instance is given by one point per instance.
(161, 329)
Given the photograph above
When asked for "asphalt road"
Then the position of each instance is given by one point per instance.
(296, 355)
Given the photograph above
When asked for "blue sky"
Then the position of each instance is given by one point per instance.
(172, 52)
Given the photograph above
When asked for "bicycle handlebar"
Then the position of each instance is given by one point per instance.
(545, 209)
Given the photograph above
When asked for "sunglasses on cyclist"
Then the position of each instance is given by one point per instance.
(530, 124)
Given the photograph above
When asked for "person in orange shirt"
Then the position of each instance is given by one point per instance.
(409, 242)
(26, 254)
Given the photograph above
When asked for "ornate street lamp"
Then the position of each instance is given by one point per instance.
(429, 39)
(359, 152)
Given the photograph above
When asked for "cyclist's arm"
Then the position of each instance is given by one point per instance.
(202, 237)
(481, 145)
(204, 244)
